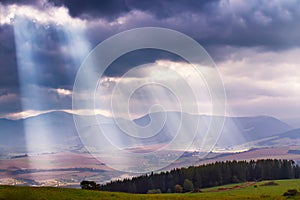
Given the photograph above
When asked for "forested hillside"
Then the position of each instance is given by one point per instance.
(197, 177)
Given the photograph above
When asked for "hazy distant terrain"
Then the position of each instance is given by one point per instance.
(57, 157)
(59, 130)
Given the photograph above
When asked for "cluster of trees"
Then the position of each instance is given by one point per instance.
(209, 175)
(89, 185)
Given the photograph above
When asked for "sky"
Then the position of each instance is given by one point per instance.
(254, 44)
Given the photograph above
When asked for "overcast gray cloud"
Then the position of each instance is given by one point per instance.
(268, 24)
(62, 32)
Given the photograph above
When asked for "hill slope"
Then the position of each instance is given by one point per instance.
(58, 128)
(288, 138)
(250, 192)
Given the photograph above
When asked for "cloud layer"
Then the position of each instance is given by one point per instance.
(255, 44)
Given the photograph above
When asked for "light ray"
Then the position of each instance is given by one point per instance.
(25, 33)
(28, 34)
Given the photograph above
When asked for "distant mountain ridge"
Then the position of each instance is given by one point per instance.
(60, 129)
(289, 138)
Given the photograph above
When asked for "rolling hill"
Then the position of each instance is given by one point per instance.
(233, 191)
(58, 128)
(288, 138)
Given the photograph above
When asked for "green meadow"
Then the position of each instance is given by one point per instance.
(249, 190)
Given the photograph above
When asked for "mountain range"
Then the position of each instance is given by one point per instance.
(57, 129)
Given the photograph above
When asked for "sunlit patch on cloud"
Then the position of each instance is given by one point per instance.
(162, 71)
(26, 114)
(47, 15)
(4, 98)
(32, 113)
(62, 92)
(262, 80)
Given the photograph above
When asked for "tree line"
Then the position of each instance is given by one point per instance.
(196, 177)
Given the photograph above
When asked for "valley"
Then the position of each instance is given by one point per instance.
(67, 169)
(64, 161)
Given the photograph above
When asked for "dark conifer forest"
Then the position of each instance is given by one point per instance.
(196, 177)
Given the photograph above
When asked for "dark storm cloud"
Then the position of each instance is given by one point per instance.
(214, 24)
(46, 54)
(52, 67)
(170, 8)
(10, 100)
(93, 8)
(222, 27)
(266, 24)
(134, 58)
(20, 2)
(112, 9)
(8, 68)
(260, 23)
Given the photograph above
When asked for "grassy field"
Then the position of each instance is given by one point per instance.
(234, 191)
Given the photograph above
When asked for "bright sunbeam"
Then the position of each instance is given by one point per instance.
(77, 47)
(30, 41)
(38, 138)
(154, 92)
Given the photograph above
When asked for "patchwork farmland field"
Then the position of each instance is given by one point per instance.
(69, 168)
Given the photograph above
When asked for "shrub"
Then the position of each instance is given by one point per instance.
(154, 191)
(88, 185)
(292, 192)
(178, 188)
(196, 190)
(269, 183)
